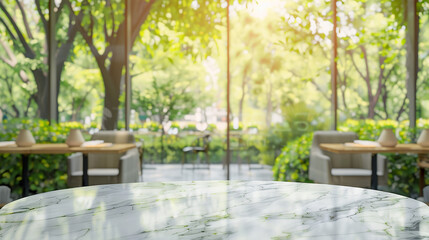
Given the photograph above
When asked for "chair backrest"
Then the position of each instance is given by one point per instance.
(114, 136)
(237, 142)
(337, 160)
(109, 160)
(206, 141)
(4, 195)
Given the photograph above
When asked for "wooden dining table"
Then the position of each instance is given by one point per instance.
(412, 148)
(60, 148)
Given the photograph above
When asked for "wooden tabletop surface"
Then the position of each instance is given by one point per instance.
(400, 148)
(62, 148)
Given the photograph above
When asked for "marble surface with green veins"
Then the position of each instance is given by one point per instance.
(215, 210)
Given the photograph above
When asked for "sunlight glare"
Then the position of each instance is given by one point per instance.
(258, 9)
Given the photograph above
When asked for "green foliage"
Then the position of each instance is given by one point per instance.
(171, 90)
(189, 25)
(83, 88)
(94, 125)
(175, 125)
(121, 125)
(135, 126)
(23, 36)
(166, 100)
(237, 128)
(41, 130)
(370, 130)
(292, 163)
(190, 127)
(282, 54)
(301, 119)
(211, 127)
(152, 126)
(174, 144)
(274, 139)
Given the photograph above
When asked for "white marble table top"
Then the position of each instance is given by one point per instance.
(215, 210)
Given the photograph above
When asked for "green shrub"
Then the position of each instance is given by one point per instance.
(292, 164)
(152, 126)
(190, 127)
(211, 127)
(239, 127)
(70, 125)
(174, 144)
(121, 125)
(253, 126)
(274, 139)
(135, 126)
(175, 125)
(173, 149)
(94, 125)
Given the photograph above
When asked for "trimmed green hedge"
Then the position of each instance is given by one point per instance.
(293, 163)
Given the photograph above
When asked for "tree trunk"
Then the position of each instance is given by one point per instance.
(112, 74)
(111, 107)
(243, 94)
(244, 81)
(41, 77)
(42, 97)
(43, 94)
(343, 87)
(371, 109)
(162, 144)
(112, 86)
(63, 53)
(269, 105)
(384, 97)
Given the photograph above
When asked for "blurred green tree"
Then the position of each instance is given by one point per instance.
(174, 90)
(104, 33)
(23, 40)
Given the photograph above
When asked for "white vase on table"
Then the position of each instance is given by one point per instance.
(387, 138)
(25, 139)
(75, 138)
(424, 138)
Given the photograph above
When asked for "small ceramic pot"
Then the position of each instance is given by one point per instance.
(75, 138)
(387, 138)
(424, 138)
(25, 139)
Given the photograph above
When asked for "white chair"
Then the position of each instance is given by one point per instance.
(107, 168)
(4, 195)
(343, 169)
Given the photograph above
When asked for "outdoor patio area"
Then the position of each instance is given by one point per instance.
(159, 119)
(175, 172)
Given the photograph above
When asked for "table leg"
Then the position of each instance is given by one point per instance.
(25, 185)
(421, 159)
(422, 181)
(374, 178)
(85, 170)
